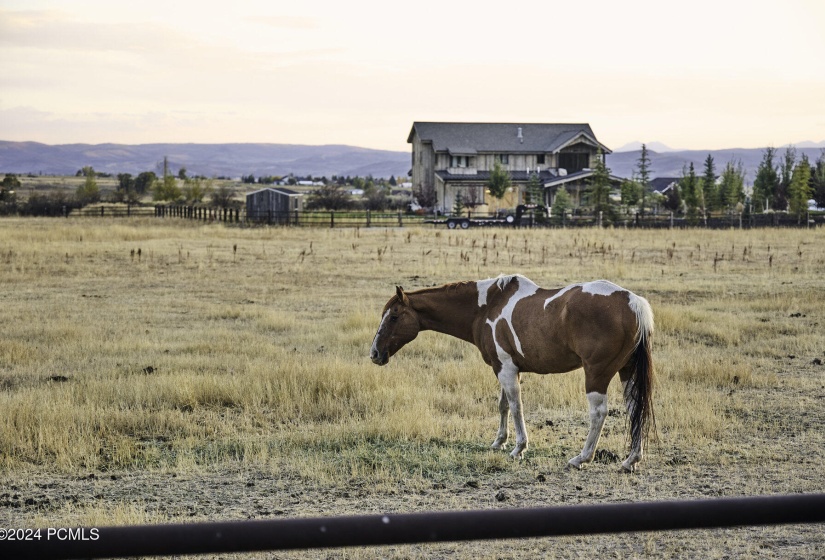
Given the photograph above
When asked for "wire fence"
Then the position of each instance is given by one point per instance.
(391, 529)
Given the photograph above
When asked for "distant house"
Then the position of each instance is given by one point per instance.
(662, 185)
(272, 204)
(457, 158)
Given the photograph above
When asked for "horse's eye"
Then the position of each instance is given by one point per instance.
(393, 318)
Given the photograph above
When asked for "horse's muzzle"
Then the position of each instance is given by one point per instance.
(380, 358)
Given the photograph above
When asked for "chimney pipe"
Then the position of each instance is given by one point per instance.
(520, 137)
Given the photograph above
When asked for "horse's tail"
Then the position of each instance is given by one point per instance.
(640, 384)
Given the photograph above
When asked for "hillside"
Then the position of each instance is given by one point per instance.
(234, 160)
(670, 164)
(229, 160)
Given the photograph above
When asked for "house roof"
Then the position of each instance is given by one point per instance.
(662, 184)
(280, 190)
(577, 176)
(484, 176)
(468, 138)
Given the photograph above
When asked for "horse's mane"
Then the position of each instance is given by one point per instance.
(502, 280)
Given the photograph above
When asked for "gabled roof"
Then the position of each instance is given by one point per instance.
(466, 138)
(483, 176)
(578, 175)
(280, 190)
(663, 184)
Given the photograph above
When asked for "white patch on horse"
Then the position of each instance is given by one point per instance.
(483, 287)
(594, 288)
(526, 288)
(598, 413)
(374, 348)
(560, 293)
(600, 288)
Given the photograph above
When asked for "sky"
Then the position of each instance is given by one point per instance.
(692, 75)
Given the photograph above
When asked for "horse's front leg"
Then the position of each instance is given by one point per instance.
(598, 412)
(504, 412)
(508, 378)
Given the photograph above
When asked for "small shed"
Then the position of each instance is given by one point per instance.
(273, 204)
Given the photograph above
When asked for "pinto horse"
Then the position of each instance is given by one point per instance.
(519, 327)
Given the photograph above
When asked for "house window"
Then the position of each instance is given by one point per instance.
(459, 161)
(573, 162)
(503, 159)
(540, 159)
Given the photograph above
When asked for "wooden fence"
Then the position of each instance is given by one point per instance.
(394, 529)
(368, 218)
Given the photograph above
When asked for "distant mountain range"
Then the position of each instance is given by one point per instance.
(234, 160)
(671, 163)
(210, 160)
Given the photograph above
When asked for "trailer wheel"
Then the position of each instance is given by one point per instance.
(510, 219)
(465, 223)
(451, 224)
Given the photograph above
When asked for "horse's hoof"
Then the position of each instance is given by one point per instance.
(571, 466)
(496, 445)
(627, 470)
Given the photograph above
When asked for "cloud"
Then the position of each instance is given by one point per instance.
(286, 22)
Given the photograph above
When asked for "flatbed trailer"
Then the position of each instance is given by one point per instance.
(465, 222)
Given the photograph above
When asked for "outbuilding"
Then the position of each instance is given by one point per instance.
(273, 205)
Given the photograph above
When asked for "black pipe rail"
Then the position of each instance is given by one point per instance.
(392, 529)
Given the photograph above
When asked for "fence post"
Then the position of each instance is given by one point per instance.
(296, 217)
(600, 218)
(332, 219)
(671, 220)
(369, 215)
(101, 211)
(400, 222)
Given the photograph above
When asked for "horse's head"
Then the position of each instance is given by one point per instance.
(399, 325)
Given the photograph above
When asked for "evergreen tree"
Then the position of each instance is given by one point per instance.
(818, 180)
(458, 204)
(709, 190)
(393, 182)
(631, 192)
(732, 185)
(534, 193)
(780, 199)
(599, 189)
(561, 203)
(689, 184)
(799, 191)
(643, 176)
(766, 182)
(499, 181)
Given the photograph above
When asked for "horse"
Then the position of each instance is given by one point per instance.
(519, 327)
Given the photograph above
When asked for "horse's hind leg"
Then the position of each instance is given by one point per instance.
(598, 412)
(629, 464)
(504, 412)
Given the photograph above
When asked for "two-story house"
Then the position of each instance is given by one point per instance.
(457, 158)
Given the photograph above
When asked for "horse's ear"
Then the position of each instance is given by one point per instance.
(402, 297)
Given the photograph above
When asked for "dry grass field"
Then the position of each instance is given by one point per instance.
(159, 371)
